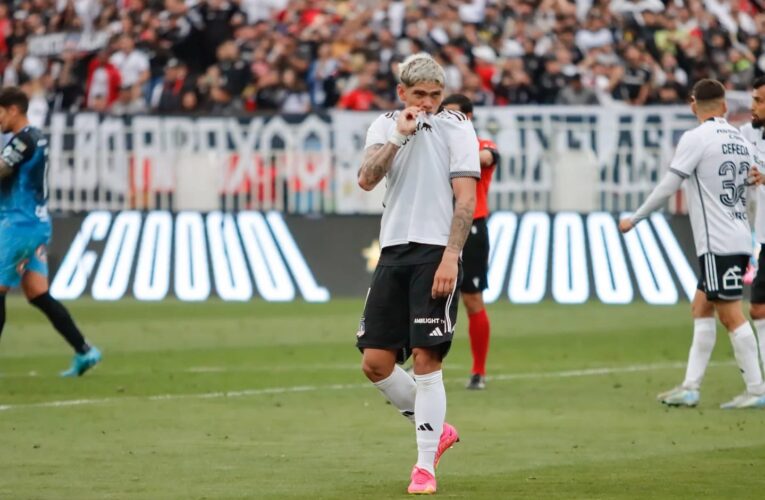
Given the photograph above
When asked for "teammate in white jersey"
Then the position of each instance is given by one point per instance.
(430, 162)
(754, 132)
(716, 162)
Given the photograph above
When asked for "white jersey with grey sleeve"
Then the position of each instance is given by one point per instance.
(419, 201)
(756, 136)
(715, 159)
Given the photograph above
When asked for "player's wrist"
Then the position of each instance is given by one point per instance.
(451, 254)
(398, 139)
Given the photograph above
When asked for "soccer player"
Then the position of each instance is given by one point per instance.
(475, 255)
(754, 132)
(430, 163)
(25, 227)
(715, 161)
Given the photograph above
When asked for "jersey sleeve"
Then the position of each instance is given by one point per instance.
(18, 150)
(378, 131)
(463, 149)
(687, 155)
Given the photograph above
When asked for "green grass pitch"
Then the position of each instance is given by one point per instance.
(257, 400)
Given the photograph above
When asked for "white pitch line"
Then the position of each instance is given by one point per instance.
(335, 387)
(211, 370)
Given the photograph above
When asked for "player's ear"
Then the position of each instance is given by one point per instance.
(725, 106)
(401, 91)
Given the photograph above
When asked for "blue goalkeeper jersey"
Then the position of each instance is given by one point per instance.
(24, 193)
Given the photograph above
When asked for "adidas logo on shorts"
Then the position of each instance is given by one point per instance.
(437, 332)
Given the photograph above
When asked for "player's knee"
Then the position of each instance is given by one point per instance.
(702, 309)
(757, 311)
(473, 302)
(375, 371)
(731, 318)
(426, 360)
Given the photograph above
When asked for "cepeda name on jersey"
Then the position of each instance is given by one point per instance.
(735, 149)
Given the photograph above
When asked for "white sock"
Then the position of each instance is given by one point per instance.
(759, 325)
(429, 414)
(704, 336)
(745, 350)
(400, 390)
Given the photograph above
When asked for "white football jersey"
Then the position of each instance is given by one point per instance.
(755, 136)
(715, 159)
(419, 201)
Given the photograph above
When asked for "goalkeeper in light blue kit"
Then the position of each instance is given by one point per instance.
(25, 227)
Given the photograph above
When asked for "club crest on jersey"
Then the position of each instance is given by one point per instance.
(732, 278)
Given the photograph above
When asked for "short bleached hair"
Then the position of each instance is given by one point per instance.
(419, 68)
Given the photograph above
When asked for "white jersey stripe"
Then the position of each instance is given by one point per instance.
(449, 327)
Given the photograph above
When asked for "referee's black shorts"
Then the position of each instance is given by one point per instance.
(475, 258)
(758, 285)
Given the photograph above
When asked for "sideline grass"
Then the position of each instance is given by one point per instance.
(532, 434)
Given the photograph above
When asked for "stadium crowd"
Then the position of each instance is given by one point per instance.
(241, 56)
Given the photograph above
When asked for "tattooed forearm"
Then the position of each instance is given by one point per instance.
(462, 220)
(377, 161)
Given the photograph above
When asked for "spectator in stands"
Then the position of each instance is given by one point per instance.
(362, 97)
(22, 65)
(472, 88)
(484, 65)
(594, 34)
(6, 29)
(550, 82)
(66, 18)
(128, 103)
(225, 81)
(576, 94)
(296, 98)
(269, 93)
(132, 64)
(190, 101)
(321, 78)
(635, 79)
(210, 24)
(167, 95)
(331, 45)
(68, 84)
(741, 64)
(103, 82)
(668, 94)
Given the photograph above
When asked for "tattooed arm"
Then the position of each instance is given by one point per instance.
(377, 161)
(378, 158)
(462, 219)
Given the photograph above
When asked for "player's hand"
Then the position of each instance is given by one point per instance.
(446, 275)
(626, 225)
(407, 120)
(755, 177)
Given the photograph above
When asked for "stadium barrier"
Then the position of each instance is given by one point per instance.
(566, 257)
(552, 159)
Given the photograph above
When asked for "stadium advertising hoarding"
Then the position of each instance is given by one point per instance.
(566, 257)
(308, 163)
